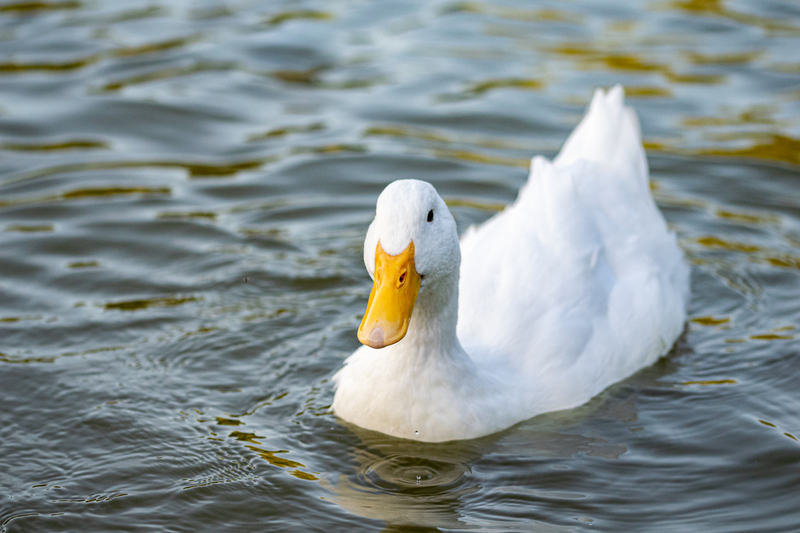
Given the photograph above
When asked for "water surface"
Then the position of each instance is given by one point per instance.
(184, 192)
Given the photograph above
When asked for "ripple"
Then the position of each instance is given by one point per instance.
(399, 473)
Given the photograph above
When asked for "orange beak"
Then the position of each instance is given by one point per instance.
(392, 299)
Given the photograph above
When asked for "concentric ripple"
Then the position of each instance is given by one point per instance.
(404, 472)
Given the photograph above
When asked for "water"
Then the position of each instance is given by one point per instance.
(184, 191)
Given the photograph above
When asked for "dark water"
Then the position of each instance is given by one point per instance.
(184, 190)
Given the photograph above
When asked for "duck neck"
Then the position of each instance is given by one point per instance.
(432, 330)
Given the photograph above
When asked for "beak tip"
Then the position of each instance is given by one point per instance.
(376, 337)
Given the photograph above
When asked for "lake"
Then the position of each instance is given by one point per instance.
(185, 187)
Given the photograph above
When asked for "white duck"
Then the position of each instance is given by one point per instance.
(573, 287)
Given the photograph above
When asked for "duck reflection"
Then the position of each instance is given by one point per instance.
(424, 486)
(410, 483)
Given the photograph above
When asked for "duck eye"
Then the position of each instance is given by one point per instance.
(430, 215)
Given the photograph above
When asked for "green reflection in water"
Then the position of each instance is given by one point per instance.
(508, 83)
(25, 7)
(311, 77)
(479, 88)
(228, 422)
(482, 159)
(154, 47)
(113, 191)
(87, 193)
(246, 437)
(590, 57)
(11, 68)
(710, 320)
(747, 218)
(10, 319)
(771, 337)
(23, 360)
(84, 264)
(49, 147)
(756, 115)
(195, 170)
(712, 382)
(396, 131)
(774, 147)
(191, 214)
(724, 59)
(756, 254)
(711, 241)
(432, 136)
(122, 52)
(474, 204)
(30, 229)
(94, 351)
(300, 14)
(784, 261)
(135, 14)
(329, 149)
(648, 92)
(270, 457)
(136, 305)
(718, 8)
(510, 13)
(168, 73)
(287, 130)
(302, 77)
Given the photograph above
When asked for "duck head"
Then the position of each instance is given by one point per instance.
(411, 252)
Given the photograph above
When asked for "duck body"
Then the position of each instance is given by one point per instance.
(575, 286)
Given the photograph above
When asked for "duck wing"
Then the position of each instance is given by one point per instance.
(579, 280)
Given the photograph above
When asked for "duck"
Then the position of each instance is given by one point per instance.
(576, 285)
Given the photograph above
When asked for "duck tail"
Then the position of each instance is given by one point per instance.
(608, 136)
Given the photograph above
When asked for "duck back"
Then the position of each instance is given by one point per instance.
(579, 282)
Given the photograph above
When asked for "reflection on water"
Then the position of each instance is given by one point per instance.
(416, 484)
(405, 483)
(184, 192)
